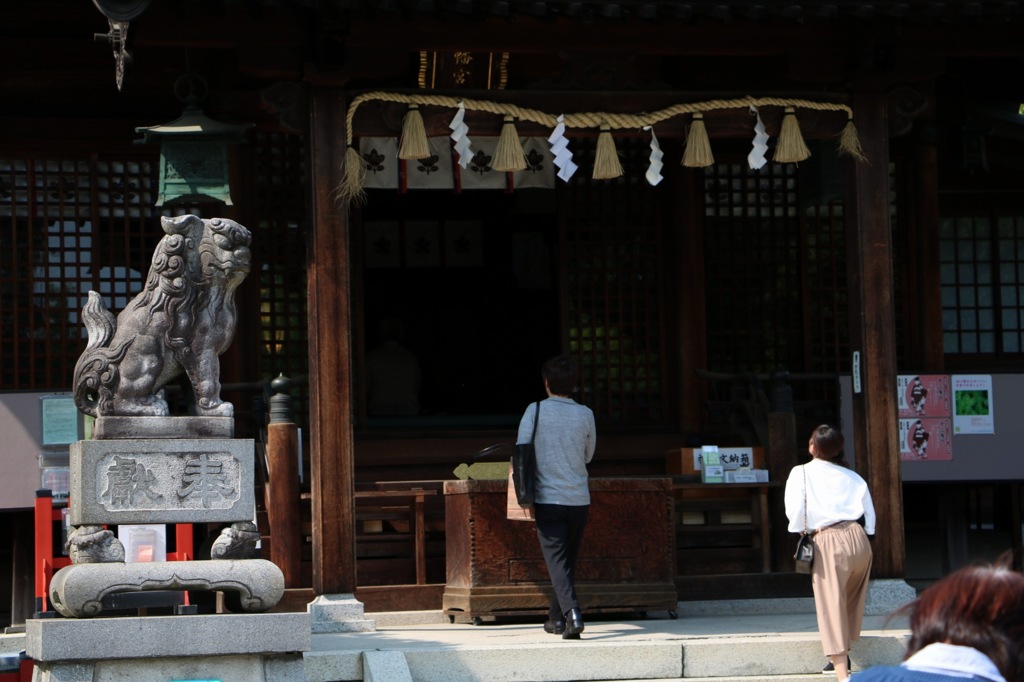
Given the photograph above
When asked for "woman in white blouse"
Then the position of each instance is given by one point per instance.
(836, 499)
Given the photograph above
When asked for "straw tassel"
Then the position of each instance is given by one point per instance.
(606, 159)
(791, 147)
(354, 173)
(698, 147)
(414, 144)
(508, 155)
(849, 142)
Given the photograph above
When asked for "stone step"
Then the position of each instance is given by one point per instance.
(769, 678)
(740, 648)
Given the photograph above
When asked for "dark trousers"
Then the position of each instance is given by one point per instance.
(560, 531)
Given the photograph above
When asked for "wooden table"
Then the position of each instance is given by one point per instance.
(412, 512)
(495, 566)
(710, 499)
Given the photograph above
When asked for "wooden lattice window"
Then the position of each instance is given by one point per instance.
(613, 289)
(69, 225)
(982, 274)
(74, 225)
(752, 262)
(827, 345)
(279, 247)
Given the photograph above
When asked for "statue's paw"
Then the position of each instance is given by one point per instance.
(94, 545)
(236, 542)
(216, 409)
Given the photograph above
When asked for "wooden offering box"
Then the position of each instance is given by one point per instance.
(495, 566)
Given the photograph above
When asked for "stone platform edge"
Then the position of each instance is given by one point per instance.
(60, 639)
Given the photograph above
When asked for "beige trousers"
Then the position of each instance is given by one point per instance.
(839, 576)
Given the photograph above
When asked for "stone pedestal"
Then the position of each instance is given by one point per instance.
(178, 474)
(251, 585)
(338, 613)
(225, 647)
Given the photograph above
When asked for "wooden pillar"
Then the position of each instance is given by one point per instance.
(330, 377)
(781, 456)
(282, 488)
(875, 430)
(693, 314)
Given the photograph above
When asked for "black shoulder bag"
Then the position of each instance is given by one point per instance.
(524, 466)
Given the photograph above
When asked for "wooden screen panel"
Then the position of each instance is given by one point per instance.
(982, 284)
(752, 250)
(69, 225)
(613, 287)
(279, 249)
(827, 345)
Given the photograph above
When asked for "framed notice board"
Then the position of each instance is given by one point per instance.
(995, 452)
(35, 431)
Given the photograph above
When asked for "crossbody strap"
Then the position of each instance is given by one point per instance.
(536, 418)
(804, 468)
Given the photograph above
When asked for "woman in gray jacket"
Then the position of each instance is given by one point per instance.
(565, 441)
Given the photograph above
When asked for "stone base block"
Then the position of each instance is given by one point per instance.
(338, 613)
(249, 585)
(226, 647)
(887, 595)
(281, 668)
(109, 428)
(385, 666)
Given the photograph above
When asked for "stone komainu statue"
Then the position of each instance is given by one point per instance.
(181, 321)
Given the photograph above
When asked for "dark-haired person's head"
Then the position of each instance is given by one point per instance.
(828, 444)
(978, 606)
(561, 373)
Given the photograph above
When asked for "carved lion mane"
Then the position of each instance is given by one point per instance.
(181, 321)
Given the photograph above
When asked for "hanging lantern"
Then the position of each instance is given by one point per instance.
(193, 156)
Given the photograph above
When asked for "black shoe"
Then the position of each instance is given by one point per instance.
(554, 627)
(573, 624)
(829, 668)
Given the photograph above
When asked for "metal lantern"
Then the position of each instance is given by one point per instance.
(194, 156)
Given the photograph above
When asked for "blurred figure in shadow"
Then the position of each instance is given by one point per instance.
(393, 374)
(969, 625)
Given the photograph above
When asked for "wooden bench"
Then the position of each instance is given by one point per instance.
(399, 532)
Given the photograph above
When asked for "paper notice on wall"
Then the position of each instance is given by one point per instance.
(924, 395)
(973, 404)
(927, 439)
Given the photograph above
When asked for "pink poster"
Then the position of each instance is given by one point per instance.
(928, 439)
(924, 395)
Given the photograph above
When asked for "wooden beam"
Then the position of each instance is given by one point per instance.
(873, 331)
(330, 381)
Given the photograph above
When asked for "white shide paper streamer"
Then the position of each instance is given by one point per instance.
(756, 157)
(560, 149)
(460, 136)
(653, 174)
